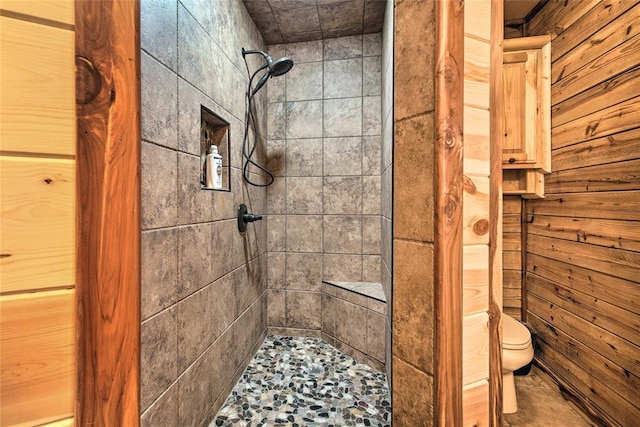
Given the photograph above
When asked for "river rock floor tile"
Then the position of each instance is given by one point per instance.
(293, 381)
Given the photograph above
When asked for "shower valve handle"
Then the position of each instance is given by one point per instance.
(244, 217)
(251, 217)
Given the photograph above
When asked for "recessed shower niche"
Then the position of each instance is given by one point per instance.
(215, 142)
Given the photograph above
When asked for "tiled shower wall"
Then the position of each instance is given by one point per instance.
(203, 283)
(324, 132)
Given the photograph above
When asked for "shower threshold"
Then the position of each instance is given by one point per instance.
(296, 381)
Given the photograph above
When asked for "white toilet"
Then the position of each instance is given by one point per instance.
(517, 351)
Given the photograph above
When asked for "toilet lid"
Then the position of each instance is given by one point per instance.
(515, 336)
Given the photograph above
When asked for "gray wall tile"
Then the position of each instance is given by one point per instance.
(159, 186)
(342, 234)
(164, 411)
(305, 51)
(343, 47)
(343, 117)
(159, 357)
(371, 120)
(276, 311)
(304, 233)
(342, 156)
(159, 103)
(159, 270)
(304, 195)
(371, 76)
(195, 392)
(195, 259)
(343, 78)
(304, 119)
(343, 195)
(304, 271)
(195, 331)
(304, 82)
(304, 309)
(304, 157)
(160, 44)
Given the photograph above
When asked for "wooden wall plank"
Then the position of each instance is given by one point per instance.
(613, 91)
(609, 205)
(587, 24)
(614, 262)
(476, 212)
(108, 244)
(512, 260)
(475, 359)
(626, 295)
(626, 354)
(603, 232)
(37, 224)
(476, 74)
(616, 61)
(476, 141)
(622, 382)
(600, 151)
(476, 407)
(54, 10)
(512, 279)
(618, 321)
(596, 45)
(562, 14)
(475, 279)
(608, 121)
(37, 106)
(594, 389)
(609, 177)
(37, 358)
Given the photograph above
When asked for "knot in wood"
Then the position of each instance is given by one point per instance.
(481, 227)
(469, 186)
(88, 81)
(450, 208)
(449, 138)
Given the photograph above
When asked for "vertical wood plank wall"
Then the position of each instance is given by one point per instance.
(512, 256)
(37, 167)
(583, 239)
(476, 212)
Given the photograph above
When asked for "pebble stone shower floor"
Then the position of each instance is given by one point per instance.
(300, 382)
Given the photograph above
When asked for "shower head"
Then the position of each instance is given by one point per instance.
(278, 67)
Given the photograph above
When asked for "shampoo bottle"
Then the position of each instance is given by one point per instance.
(214, 168)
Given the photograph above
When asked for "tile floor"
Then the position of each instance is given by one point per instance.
(305, 382)
(540, 405)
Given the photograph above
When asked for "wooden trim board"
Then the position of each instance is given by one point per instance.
(448, 222)
(108, 226)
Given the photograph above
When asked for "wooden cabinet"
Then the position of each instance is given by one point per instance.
(526, 147)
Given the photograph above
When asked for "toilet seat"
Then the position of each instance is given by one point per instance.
(515, 336)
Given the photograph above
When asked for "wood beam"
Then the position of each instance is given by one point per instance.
(108, 227)
(448, 211)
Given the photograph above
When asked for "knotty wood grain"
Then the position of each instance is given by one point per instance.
(449, 83)
(108, 263)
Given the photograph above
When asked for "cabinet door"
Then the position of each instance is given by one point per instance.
(527, 97)
(519, 76)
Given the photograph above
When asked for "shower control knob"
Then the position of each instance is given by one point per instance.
(244, 218)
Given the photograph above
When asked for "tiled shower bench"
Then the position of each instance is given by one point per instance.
(354, 320)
